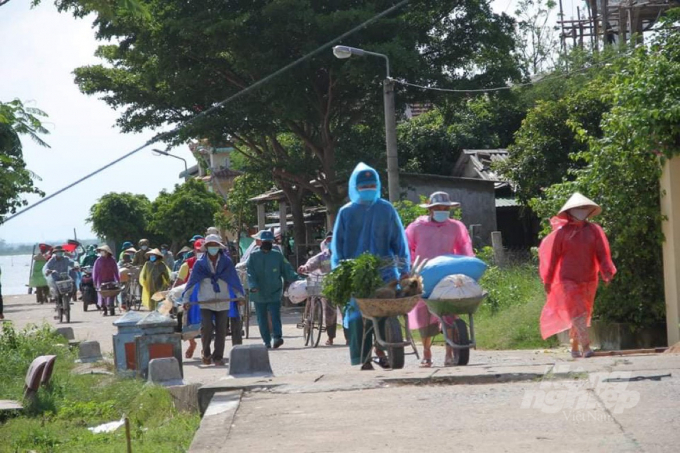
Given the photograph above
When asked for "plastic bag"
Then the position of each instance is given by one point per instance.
(442, 266)
(297, 291)
(175, 294)
(454, 287)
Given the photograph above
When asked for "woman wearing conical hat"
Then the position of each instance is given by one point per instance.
(572, 258)
(155, 276)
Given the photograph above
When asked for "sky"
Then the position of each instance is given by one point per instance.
(39, 49)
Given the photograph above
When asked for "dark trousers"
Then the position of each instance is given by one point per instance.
(274, 310)
(1, 299)
(220, 336)
(360, 355)
(330, 317)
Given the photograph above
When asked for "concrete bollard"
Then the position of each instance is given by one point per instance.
(66, 332)
(89, 351)
(249, 361)
(165, 372)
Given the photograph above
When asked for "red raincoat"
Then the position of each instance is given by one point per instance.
(571, 257)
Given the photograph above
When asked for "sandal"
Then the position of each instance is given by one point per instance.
(589, 354)
(577, 354)
(449, 361)
(329, 342)
(367, 366)
(190, 351)
(206, 360)
(426, 363)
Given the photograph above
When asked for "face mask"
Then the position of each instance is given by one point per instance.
(266, 246)
(213, 250)
(60, 254)
(440, 216)
(580, 213)
(164, 250)
(144, 247)
(103, 254)
(152, 258)
(368, 195)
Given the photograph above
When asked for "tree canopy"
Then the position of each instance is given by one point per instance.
(120, 217)
(15, 179)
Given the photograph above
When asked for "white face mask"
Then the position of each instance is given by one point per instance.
(580, 213)
(440, 216)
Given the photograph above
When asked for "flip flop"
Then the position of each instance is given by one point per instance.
(189, 352)
(589, 354)
(426, 363)
(577, 354)
(383, 363)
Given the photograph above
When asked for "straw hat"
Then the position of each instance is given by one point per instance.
(131, 250)
(105, 248)
(212, 230)
(212, 239)
(154, 252)
(143, 242)
(440, 199)
(184, 250)
(579, 201)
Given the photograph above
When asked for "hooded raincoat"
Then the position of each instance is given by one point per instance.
(428, 239)
(571, 258)
(373, 226)
(155, 276)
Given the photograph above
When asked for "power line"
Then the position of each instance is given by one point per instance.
(510, 87)
(215, 107)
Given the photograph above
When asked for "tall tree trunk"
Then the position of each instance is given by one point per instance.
(295, 197)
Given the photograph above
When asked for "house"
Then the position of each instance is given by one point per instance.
(518, 226)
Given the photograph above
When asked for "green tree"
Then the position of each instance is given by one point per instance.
(539, 43)
(188, 210)
(120, 217)
(15, 179)
(189, 55)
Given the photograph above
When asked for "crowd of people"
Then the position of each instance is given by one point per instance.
(572, 258)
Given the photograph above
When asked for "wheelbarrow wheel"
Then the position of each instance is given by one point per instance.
(460, 336)
(393, 334)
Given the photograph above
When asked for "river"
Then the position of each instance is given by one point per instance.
(15, 273)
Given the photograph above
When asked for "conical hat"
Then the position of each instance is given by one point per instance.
(579, 201)
(105, 248)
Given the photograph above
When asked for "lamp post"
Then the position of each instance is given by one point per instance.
(165, 153)
(390, 118)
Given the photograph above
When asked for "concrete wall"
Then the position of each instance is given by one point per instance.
(476, 196)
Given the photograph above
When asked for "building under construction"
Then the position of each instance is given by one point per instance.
(611, 21)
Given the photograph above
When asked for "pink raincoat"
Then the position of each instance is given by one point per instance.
(428, 239)
(105, 270)
(571, 257)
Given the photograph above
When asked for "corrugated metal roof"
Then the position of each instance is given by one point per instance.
(507, 203)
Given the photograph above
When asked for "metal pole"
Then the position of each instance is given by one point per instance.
(391, 141)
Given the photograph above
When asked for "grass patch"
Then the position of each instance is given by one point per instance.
(509, 317)
(59, 419)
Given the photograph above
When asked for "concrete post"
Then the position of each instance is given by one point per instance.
(260, 217)
(670, 209)
(391, 141)
(497, 244)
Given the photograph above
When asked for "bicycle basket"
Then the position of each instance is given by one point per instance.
(314, 284)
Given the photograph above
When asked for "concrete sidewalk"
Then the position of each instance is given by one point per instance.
(601, 404)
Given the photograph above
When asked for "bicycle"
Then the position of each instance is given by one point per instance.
(312, 317)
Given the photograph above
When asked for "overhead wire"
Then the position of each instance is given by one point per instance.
(213, 108)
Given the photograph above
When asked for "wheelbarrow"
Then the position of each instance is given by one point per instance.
(456, 333)
(389, 310)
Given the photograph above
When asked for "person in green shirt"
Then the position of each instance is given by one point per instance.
(267, 269)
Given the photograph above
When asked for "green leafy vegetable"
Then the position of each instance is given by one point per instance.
(353, 278)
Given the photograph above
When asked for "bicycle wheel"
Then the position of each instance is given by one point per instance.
(60, 308)
(393, 334)
(246, 319)
(68, 310)
(308, 324)
(460, 336)
(317, 322)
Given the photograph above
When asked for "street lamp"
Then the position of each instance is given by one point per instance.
(165, 153)
(343, 52)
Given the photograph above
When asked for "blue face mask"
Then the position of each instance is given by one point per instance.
(213, 250)
(368, 195)
(440, 216)
(60, 254)
(153, 258)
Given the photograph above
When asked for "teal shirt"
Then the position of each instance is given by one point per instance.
(266, 273)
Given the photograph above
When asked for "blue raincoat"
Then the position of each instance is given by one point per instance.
(373, 227)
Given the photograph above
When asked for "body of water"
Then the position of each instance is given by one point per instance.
(15, 273)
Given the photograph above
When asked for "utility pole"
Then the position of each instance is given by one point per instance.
(391, 141)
